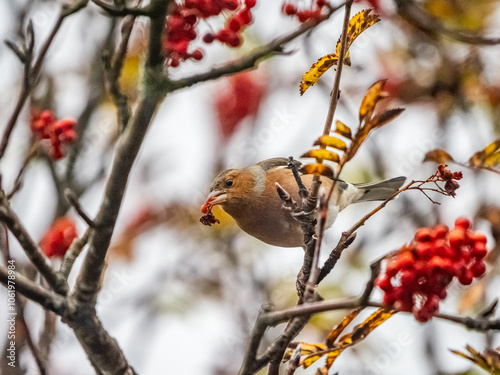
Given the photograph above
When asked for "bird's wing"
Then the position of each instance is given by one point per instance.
(276, 162)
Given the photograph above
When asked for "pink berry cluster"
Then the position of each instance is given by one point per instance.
(183, 19)
(417, 278)
(44, 125)
(304, 15)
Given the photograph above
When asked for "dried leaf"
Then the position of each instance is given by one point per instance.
(385, 117)
(343, 129)
(321, 154)
(489, 157)
(438, 155)
(372, 97)
(330, 340)
(375, 122)
(328, 141)
(357, 24)
(489, 360)
(318, 169)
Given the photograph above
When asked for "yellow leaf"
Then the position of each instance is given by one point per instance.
(328, 141)
(330, 340)
(321, 155)
(489, 157)
(309, 360)
(362, 330)
(316, 70)
(357, 24)
(318, 169)
(372, 97)
(343, 129)
(330, 358)
(438, 155)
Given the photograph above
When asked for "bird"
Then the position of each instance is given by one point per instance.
(249, 196)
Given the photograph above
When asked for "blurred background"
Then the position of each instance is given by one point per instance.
(180, 297)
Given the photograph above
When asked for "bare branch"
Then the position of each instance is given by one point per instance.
(30, 290)
(73, 201)
(30, 247)
(128, 146)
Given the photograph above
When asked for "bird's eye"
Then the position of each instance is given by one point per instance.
(229, 183)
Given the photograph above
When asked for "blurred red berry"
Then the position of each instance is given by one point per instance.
(314, 12)
(60, 133)
(240, 99)
(58, 238)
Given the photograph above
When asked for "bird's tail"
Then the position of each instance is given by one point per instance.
(379, 191)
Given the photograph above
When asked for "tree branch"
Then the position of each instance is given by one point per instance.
(30, 290)
(30, 247)
(249, 61)
(34, 71)
(89, 278)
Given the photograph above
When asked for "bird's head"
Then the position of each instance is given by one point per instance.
(231, 187)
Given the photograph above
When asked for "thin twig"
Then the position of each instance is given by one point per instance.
(26, 89)
(73, 201)
(113, 71)
(31, 344)
(18, 181)
(73, 252)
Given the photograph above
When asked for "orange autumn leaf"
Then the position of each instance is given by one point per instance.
(321, 155)
(489, 157)
(343, 129)
(318, 169)
(357, 24)
(374, 94)
(439, 156)
(332, 337)
(328, 141)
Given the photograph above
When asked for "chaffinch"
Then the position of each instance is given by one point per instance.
(249, 195)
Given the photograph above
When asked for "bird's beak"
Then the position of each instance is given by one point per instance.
(214, 198)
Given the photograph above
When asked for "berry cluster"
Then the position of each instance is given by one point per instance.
(45, 126)
(304, 15)
(58, 238)
(416, 279)
(183, 18)
(240, 99)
